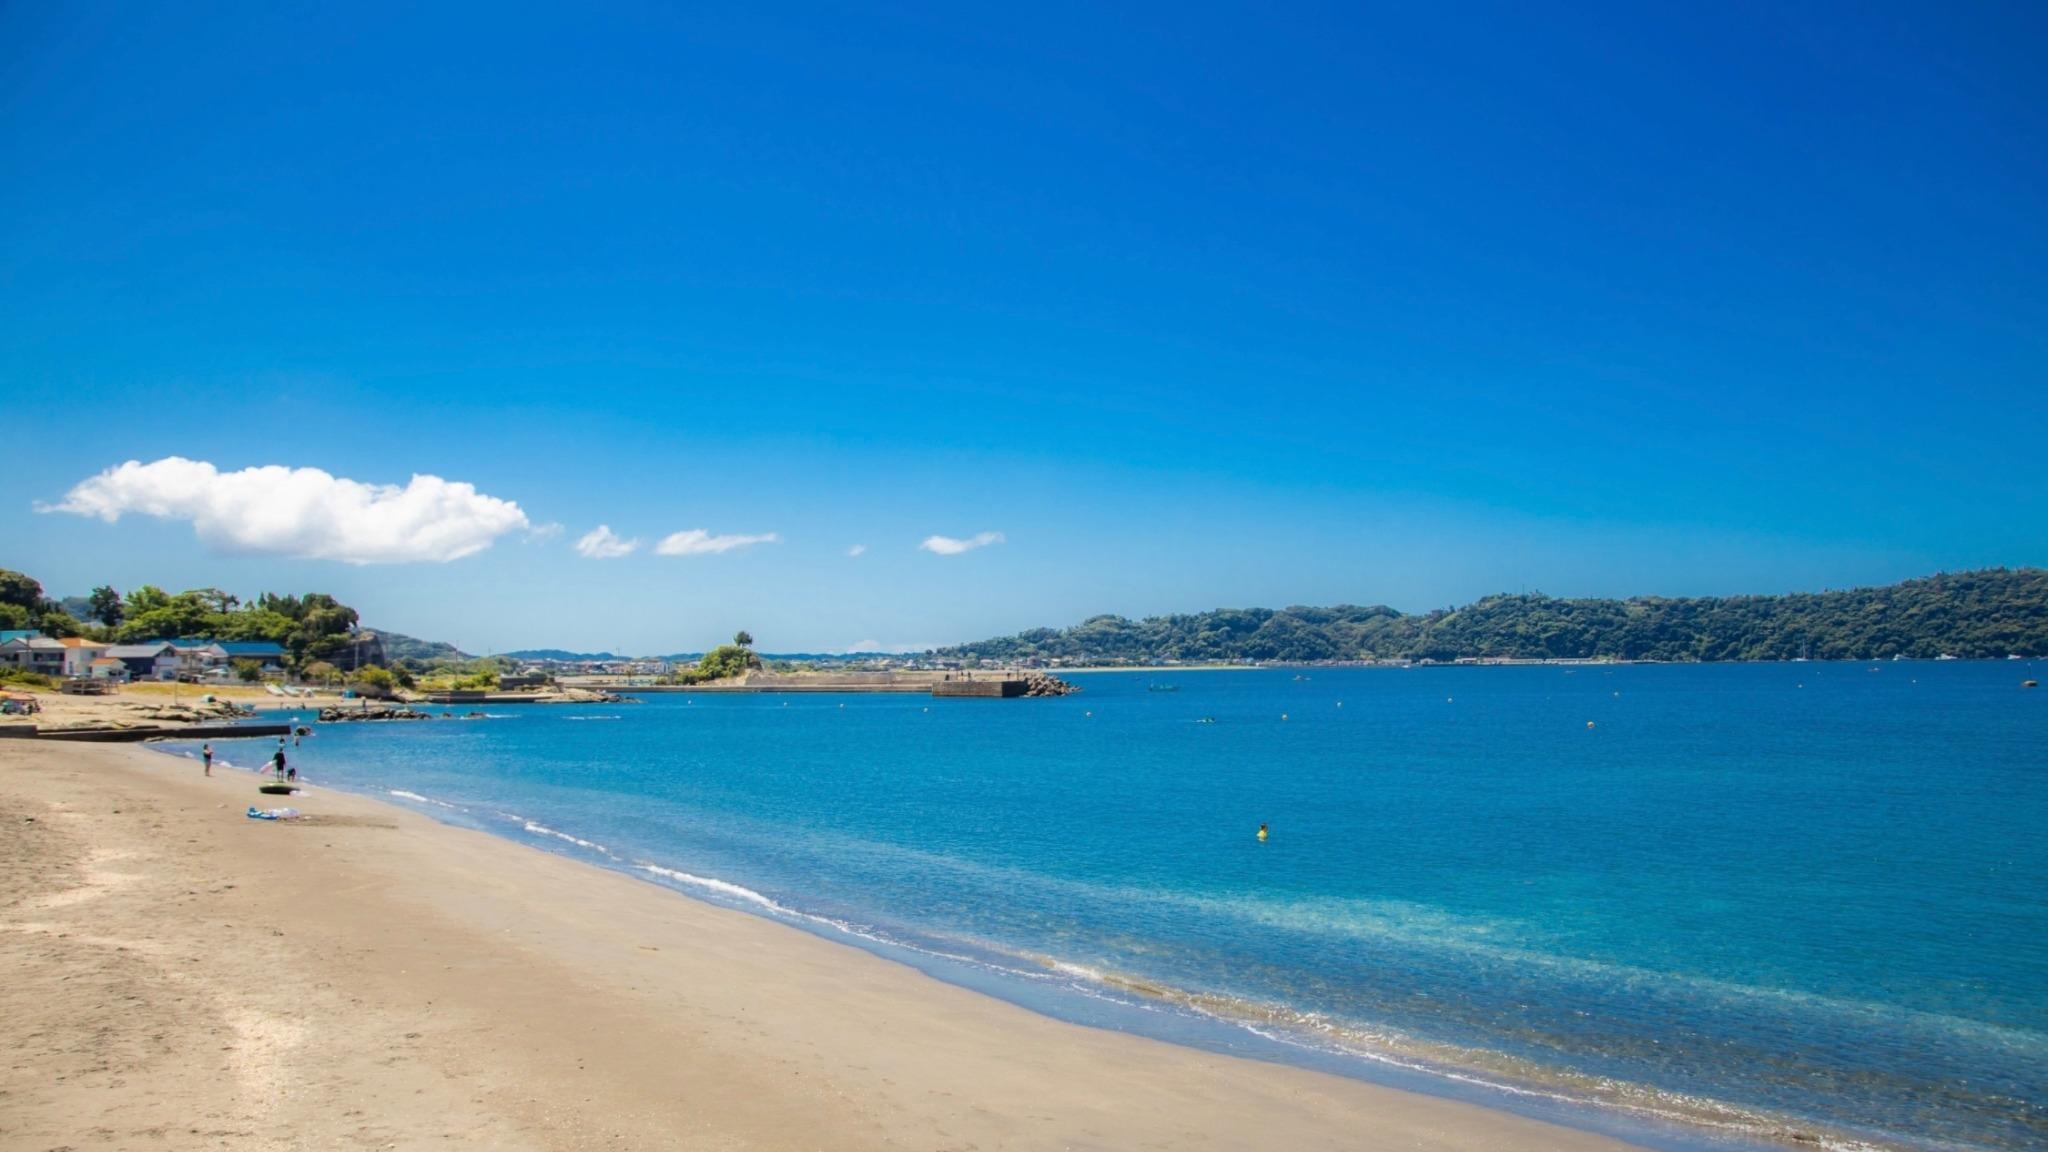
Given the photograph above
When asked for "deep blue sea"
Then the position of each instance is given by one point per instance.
(1698, 906)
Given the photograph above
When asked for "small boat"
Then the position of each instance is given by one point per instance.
(1162, 687)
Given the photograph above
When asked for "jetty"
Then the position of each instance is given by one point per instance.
(137, 732)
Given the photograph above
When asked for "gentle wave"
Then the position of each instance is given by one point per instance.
(1475, 1067)
(722, 887)
(415, 797)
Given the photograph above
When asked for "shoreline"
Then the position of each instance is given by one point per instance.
(484, 989)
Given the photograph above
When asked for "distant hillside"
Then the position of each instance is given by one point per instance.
(1991, 613)
(560, 654)
(398, 646)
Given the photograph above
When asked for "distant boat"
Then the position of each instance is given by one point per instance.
(1299, 676)
(1162, 687)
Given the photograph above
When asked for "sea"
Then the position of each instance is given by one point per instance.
(1694, 906)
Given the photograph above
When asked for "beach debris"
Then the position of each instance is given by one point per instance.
(273, 813)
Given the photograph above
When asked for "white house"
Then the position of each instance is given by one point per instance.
(34, 654)
(79, 653)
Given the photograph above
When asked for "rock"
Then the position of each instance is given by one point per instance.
(371, 712)
(1045, 684)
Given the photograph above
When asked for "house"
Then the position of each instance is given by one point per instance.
(268, 654)
(196, 657)
(156, 660)
(34, 654)
(79, 653)
(107, 668)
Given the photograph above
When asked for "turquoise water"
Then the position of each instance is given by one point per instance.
(1690, 904)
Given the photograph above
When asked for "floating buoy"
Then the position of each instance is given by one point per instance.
(2030, 683)
(1340, 703)
(1589, 723)
(1283, 715)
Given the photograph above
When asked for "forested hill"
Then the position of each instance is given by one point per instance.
(1992, 613)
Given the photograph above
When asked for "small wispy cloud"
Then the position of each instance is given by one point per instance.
(305, 513)
(698, 542)
(856, 550)
(540, 532)
(953, 546)
(601, 543)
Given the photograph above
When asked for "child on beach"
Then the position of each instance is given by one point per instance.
(206, 757)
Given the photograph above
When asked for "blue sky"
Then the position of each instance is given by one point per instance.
(1194, 306)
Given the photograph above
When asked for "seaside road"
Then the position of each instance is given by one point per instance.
(175, 975)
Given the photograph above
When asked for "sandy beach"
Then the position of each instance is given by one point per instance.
(180, 976)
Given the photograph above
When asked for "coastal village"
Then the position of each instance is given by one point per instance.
(76, 658)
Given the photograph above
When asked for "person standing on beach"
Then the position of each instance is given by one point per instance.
(206, 757)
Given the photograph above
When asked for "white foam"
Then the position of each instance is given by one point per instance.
(544, 830)
(402, 794)
(722, 887)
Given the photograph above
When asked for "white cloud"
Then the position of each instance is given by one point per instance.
(541, 532)
(600, 543)
(698, 542)
(856, 550)
(301, 512)
(949, 546)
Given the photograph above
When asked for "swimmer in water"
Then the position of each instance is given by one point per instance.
(1262, 833)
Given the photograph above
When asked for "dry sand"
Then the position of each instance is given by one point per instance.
(175, 975)
(145, 705)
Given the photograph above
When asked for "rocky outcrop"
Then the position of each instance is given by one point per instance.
(372, 712)
(1045, 684)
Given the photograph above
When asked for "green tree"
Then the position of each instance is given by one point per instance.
(319, 672)
(744, 639)
(104, 605)
(375, 682)
(248, 671)
(21, 590)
